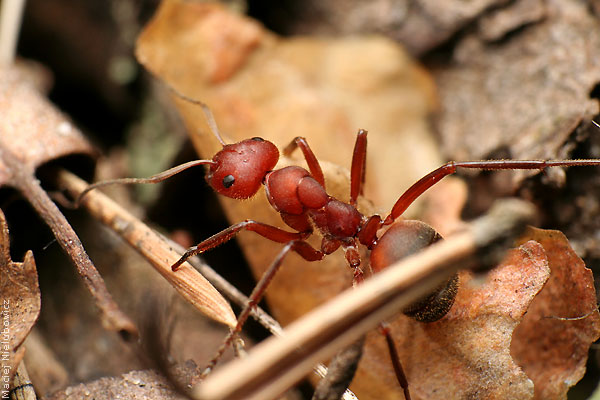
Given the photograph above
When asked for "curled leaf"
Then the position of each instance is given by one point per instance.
(552, 342)
(20, 307)
(511, 336)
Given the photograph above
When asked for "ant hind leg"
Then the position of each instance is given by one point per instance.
(393, 352)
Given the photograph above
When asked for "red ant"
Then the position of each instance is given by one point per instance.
(300, 197)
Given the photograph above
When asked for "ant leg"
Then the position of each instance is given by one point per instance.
(419, 187)
(268, 231)
(301, 247)
(311, 159)
(358, 167)
(352, 256)
(400, 376)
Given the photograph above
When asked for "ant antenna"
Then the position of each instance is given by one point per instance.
(210, 119)
(153, 179)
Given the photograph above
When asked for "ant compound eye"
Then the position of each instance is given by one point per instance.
(258, 139)
(228, 181)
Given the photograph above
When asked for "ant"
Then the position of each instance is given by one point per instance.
(300, 197)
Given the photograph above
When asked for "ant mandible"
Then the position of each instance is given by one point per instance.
(300, 197)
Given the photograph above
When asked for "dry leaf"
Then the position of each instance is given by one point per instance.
(20, 306)
(553, 350)
(524, 86)
(38, 132)
(279, 88)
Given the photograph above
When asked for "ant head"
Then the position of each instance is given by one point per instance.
(238, 170)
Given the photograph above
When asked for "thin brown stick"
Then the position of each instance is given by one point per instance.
(112, 316)
(154, 247)
(276, 364)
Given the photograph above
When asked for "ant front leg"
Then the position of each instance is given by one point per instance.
(358, 167)
(268, 231)
(299, 246)
(419, 187)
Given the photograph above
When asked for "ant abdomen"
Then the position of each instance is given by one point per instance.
(437, 304)
(402, 239)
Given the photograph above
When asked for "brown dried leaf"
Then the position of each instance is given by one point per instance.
(20, 306)
(469, 353)
(553, 351)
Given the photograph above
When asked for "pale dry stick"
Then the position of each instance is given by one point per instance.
(153, 246)
(230, 291)
(11, 14)
(275, 364)
(126, 225)
(22, 388)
